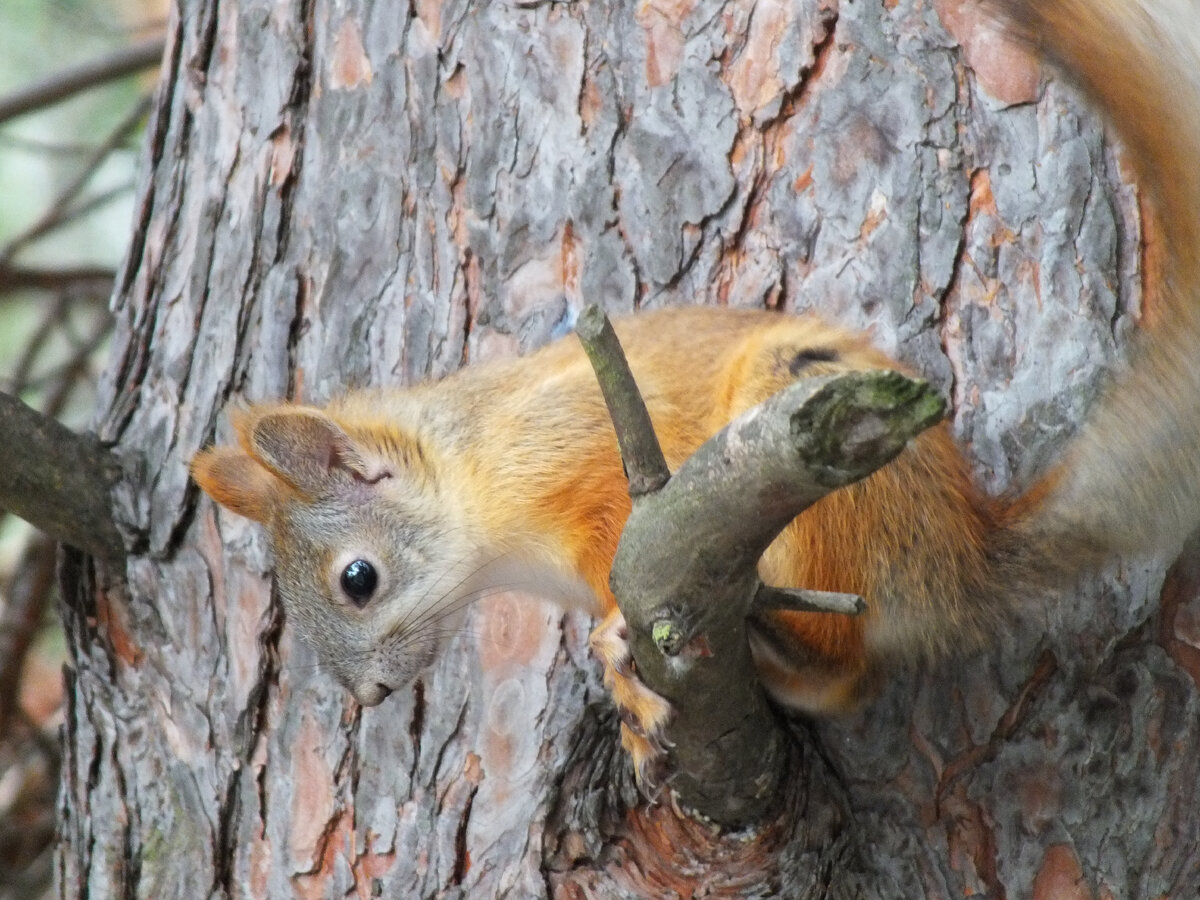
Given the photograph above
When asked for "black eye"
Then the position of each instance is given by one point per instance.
(359, 580)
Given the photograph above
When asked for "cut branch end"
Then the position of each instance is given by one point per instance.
(859, 421)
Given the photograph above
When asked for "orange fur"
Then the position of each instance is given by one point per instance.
(235, 481)
(508, 473)
(536, 472)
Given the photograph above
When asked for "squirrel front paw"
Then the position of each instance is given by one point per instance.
(644, 714)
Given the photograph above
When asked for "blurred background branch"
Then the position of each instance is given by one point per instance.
(76, 77)
(119, 64)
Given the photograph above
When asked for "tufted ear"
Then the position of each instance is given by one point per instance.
(306, 449)
(237, 481)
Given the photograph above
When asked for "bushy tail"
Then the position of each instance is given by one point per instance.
(1130, 482)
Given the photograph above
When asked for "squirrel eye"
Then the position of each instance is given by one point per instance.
(359, 580)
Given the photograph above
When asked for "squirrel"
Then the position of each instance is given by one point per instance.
(390, 509)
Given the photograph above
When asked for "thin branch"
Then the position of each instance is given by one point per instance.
(20, 617)
(57, 480)
(98, 279)
(35, 146)
(800, 600)
(645, 466)
(52, 318)
(60, 210)
(76, 370)
(61, 85)
(60, 381)
(61, 216)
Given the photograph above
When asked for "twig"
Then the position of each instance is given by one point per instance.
(645, 466)
(66, 149)
(14, 278)
(61, 85)
(57, 480)
(20, 617)
(59, 211)
(64, 215)
(801, 600)
(51, 319)
(56, 318)
(76, 369)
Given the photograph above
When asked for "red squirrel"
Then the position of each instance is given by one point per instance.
(390, 509)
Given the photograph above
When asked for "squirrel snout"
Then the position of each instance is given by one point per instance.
(371, 694)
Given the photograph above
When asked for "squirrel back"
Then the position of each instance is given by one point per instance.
(391, 510)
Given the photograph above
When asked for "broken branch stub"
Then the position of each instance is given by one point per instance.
(645, 466)
(58, 481)
(685, 572)
(771, 597)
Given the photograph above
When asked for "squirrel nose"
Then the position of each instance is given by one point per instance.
(371, 694)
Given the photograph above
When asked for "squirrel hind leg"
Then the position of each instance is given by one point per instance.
(644, 714)
(797, 676)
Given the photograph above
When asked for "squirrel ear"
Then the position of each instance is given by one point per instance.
(237, 481)
(305, 448)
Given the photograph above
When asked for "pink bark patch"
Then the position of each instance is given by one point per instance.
(1005, 68)
(1060, 877)
(349, 66)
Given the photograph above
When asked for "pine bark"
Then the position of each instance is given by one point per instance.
(353, 193)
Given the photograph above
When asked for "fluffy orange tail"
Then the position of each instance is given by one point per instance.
(1131, 481)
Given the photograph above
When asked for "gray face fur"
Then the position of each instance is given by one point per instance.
(370, 500)
(425, 575)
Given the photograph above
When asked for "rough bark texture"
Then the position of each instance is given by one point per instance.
(364, 192)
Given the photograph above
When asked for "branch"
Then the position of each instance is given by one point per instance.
(57, 480)
(61, 85)
(685, 573)
(801, 600)
(65, 378)
(98, 279)
(645, 466)
(60, 212)
(26, 599)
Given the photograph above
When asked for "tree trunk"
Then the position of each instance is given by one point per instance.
(343, 194)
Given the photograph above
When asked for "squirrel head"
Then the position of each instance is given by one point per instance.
(372, 569)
